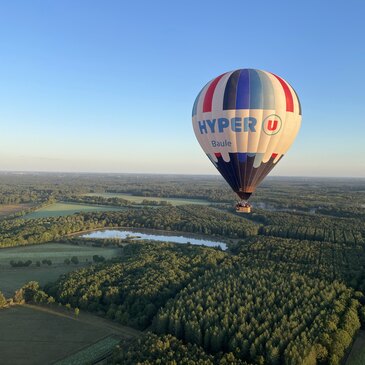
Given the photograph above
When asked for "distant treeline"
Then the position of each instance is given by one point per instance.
(337, 197)
(113, 201)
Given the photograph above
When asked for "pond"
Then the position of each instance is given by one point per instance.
(154, 237)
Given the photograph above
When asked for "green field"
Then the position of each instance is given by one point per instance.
(62, 209)
(41, 335)
(13, 278)
(139, 199)
(93, 353)
(357, 354)
(57, 252)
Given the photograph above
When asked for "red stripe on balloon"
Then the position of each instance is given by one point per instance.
(288, 95)
(218, 154)
(274, 155)
(208, 98)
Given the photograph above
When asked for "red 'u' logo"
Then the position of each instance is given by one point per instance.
(272, 124)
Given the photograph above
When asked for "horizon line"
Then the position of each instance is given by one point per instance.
(166, 173)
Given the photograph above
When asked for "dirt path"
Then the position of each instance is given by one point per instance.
(90, 319)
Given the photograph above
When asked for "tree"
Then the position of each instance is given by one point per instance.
(74, 260)
(18, 296)
(3, 301)
(97, 258)
(29, 290)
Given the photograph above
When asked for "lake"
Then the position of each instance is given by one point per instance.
(136, 235)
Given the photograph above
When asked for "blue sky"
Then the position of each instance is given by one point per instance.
(109, 85)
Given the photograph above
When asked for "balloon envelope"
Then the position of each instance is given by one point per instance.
(245, 121)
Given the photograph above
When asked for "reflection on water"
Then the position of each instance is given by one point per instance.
(153, 237)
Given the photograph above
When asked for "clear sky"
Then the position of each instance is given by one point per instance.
(109, 85)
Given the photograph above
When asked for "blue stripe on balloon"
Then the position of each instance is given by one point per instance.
(268, 94)
(227, 170)
(243, 90)
(230, 92)
(242, 157)
(255, 90)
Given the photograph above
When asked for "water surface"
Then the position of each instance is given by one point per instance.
(153, 237)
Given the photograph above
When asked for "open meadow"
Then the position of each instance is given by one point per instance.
(13, 278)
(33, 335)
(357, 354)
(140, 199)
(62, 209)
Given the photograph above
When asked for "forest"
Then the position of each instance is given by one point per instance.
(132, 289)
(268, 313)
(290, 288)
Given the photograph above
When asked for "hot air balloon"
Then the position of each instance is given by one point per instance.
(245, 121)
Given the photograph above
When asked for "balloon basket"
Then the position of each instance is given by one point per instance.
(243, 207)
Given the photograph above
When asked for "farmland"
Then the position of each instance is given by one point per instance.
(357, 354)
(61, 209)
(8, 209)
(57, 252)
(140, 199)
(14, 277)
(49, 335)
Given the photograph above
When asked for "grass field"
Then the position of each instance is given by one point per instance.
(62, 209)
(8, 209)
(139, 199)
(357, 354)
(14, 278)
(41, 335)
(57, 252)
